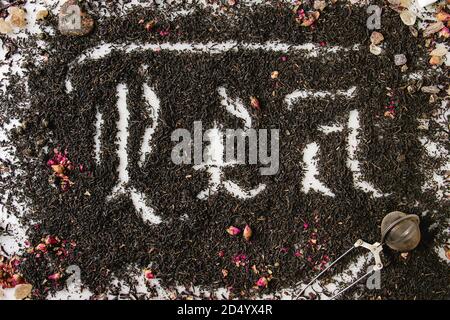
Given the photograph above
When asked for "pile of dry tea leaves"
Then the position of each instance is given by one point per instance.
(291, 232)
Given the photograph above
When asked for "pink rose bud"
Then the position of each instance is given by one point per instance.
(445, 32)
(233, 231)
(149, 274)
(41, 247)
(262, 282)
(254, 102)
(51, 240)
(55, 276)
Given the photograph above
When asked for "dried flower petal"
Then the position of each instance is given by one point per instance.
(435, 61)
(430, 89)
(55, 276)
(319, 5)
(439, 51)
(224, 273)
(443, 16)
(274, 74)
(433, 28)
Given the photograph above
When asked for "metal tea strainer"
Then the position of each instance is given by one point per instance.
(399, 231)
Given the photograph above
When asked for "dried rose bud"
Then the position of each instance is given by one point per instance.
(247, 232)
(41, 247)
(298, 253)
(445, 32)
(262, 282)
(308, 22)
(254, 102)
(55, 276)
(49, 240)
(149, 274)
(233, 231)
(389, 114)
(221, 254)
(150, 25)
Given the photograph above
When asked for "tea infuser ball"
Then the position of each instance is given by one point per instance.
(400, 231)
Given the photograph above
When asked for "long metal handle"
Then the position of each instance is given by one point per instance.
(325, 270)
(375, 249)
